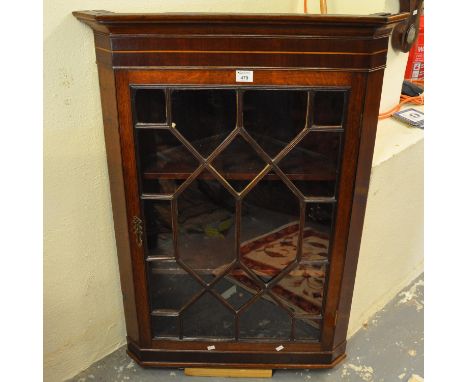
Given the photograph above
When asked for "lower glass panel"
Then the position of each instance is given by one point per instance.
(317, 231)
(265, 319)
(170, 286)
(208, 317)
(301, 290)
(269, 228)
(307, 329)
(165, 326)
(234, 289)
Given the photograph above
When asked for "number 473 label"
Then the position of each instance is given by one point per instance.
(244, 75)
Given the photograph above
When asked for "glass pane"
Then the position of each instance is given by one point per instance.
(234, 289)
(171, 287)
(150, 105)
(317, 231)
(239, 163)
(207, 317)
(307, 329)
(158, 228)
(164, 161)
(269, 228)
(164, 326)
(274, 117)
(204, 116)
(328, 108)
(302, 289)
(206, 220)
(312, 164)
(265, 319)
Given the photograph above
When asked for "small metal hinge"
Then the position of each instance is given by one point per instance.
(137, 226)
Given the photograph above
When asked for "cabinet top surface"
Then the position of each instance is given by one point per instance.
(111, 18)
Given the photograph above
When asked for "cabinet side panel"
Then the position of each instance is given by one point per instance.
(361, 188)
(114, 163)
(347, 177)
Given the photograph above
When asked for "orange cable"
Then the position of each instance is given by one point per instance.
(417, 100)
(323, 6)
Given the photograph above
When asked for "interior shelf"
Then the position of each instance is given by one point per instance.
(300, 164)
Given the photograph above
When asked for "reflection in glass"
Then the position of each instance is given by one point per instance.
(238, 163)
(205, 217)
(269, 228)
(164, 161)
(265, 319)
(206, 227)
(328, 108)
(307, 329)
(317, 231)
(164, 326)
(158, 228)
(204, 116)
(150, 105)
(274, 117)
(207, 317)
(301, 290)
(171, 287)
(312, 164)
(235, 288)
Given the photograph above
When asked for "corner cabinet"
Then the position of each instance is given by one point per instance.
(239, 150)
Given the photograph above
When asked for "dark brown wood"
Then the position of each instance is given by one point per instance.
(328, 42)
(198, 50)
(116, 180)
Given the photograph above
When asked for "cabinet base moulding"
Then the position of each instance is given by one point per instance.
(234, 360)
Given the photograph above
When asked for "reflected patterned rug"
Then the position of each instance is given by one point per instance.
(301, 290)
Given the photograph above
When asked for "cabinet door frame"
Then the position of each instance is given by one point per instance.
(343, 255)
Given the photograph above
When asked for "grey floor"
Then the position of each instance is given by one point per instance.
(387, 348)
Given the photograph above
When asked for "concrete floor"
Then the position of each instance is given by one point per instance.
(387, 348)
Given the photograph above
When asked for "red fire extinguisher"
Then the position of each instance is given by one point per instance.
(415, 66)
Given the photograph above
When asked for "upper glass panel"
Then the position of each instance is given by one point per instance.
(150, 105)
(328, 108)
(238, 163)
(204, 117)
(164, 161)
(274, 117)
(313, 163)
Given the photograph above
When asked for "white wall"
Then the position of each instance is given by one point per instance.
(83, 316)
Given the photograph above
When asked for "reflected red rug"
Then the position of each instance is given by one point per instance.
(301, 290)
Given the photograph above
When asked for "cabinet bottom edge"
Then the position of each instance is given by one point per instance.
(183, 358)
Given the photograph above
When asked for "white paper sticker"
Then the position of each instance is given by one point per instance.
(415, 12)
(211, 347)
(244, 75)
(279, 348)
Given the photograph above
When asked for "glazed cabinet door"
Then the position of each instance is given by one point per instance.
(237, 194)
